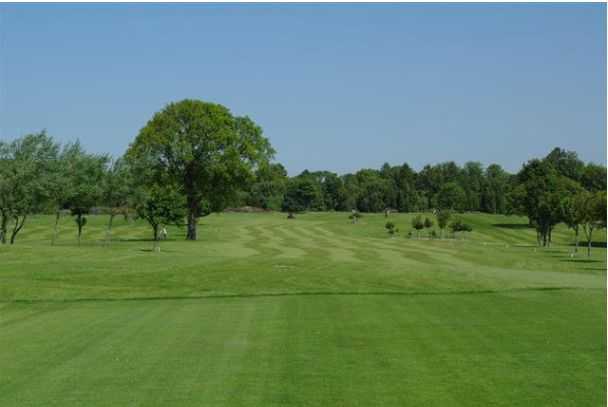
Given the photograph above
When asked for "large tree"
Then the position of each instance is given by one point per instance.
(540, 195)
(205, 150)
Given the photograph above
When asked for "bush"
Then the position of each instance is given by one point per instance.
(459, 226)
(428, 223)
(417, 224)
(390, 227)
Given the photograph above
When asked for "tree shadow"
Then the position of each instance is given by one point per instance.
(512, 225)
(574, 260)
(583, 245)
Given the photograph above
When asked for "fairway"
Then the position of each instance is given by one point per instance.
(313, 311)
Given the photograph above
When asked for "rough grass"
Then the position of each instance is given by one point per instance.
(311, 311)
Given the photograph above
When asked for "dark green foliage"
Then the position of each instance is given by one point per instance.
(160, 205)
(390, 227)
(302, 194)
(268, 189)
(418, 224)
(594, 177)
(205, 151)
(25, 180)
(458, 225)
(443, 218)
(355, 216)
(428, 223)
(452, 196)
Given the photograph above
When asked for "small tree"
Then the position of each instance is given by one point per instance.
(116, 191)
(418, 224)
(86, 173)
(443, 218)
(390, 227)
(593, 214)
(572, 213)
(159, 206)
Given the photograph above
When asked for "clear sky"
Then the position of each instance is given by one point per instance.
(335, 87)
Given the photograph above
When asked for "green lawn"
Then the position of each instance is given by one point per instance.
(313, 311)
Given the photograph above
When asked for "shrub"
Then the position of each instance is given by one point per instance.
(390, 227)
(417, 224)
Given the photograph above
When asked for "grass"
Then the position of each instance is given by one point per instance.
(266, 311)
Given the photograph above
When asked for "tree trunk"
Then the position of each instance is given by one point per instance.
(576, 239)
(3, 227)
(588, 228)
(109, 231)
(192, 221)
(156, 244)
(57, 216)
(17, 228)
(79, 222)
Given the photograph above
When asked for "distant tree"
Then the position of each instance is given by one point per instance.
(372, 191)
(25, 166)
(418, 224)
(451, 196)
(205, 151)
(60, 186)
(268, 188)
(116, 191)
(86, 175)
(566, 163)
(301, 194)
(443, 218)
(593, 178)
(539, 195)
(573, 213)
(593, 209)
(495, 190)
(473, 182)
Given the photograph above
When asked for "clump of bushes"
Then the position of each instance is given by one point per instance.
(355, 216)
(459, 226)
(391, 228)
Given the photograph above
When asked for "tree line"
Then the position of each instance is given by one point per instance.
(193, 158)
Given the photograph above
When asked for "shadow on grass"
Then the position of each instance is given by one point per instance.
(581, 261)
(583, 245)
(512, 225)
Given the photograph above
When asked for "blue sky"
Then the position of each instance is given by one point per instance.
(336, 87)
